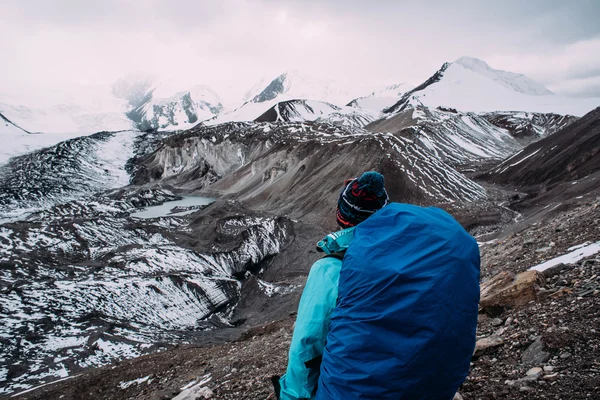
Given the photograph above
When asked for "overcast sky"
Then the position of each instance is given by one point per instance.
(236, 42)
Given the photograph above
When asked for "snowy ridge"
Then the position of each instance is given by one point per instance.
(469, 84)
(74, 168)
(566, 156)
(307, 110)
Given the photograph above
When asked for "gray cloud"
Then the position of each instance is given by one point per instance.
(235, 42)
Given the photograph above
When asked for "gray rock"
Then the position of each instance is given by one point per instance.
(550, 272)
(195, 393)
(535, 354)
(497, 322)
(534, 372)
(487, 344)
(565, 355)
(551, 377)
(457, 396)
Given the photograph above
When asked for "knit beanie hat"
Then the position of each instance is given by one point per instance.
(360, 198)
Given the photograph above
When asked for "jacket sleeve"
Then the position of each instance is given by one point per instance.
(310, 332)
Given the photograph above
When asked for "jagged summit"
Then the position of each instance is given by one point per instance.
(470, 84)
(292, 85)
(166, 105)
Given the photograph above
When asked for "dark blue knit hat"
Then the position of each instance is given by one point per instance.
(360, 198)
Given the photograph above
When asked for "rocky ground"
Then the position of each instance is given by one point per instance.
(548, 348)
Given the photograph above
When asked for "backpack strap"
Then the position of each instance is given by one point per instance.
(339, 255)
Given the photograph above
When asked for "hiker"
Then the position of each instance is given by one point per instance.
(397, 318)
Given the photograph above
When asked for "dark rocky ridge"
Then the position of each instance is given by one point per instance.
(9, 122)
(569, 155)
(274, 89)
(403, 102)
(529, 127)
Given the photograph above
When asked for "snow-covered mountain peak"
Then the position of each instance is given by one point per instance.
(471, 85)
(517, 82)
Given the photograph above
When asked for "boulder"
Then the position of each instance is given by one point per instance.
(509, 290)
(535, 354)
(196, 392)
(487, 344)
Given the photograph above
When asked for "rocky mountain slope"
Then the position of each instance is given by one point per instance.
(528, 127)
(546, 348)
(469, 84)
(566, 161)
(265, 165)
(460, 139)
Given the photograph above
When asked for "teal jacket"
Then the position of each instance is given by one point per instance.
(312, 326)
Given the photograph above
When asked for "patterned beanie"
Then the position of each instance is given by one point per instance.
(360, 198)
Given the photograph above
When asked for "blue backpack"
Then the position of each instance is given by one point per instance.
(405, 321)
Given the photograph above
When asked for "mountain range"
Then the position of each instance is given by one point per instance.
(87, 280)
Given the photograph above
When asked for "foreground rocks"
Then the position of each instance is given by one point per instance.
(509, 290)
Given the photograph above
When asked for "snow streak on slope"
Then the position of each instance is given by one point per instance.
(471, 85)
(454, 137)
(308, 110)
(71, 169)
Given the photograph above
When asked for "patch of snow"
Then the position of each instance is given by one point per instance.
(125, 385)
(581, 251)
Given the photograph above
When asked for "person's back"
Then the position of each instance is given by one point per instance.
(404, 324)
